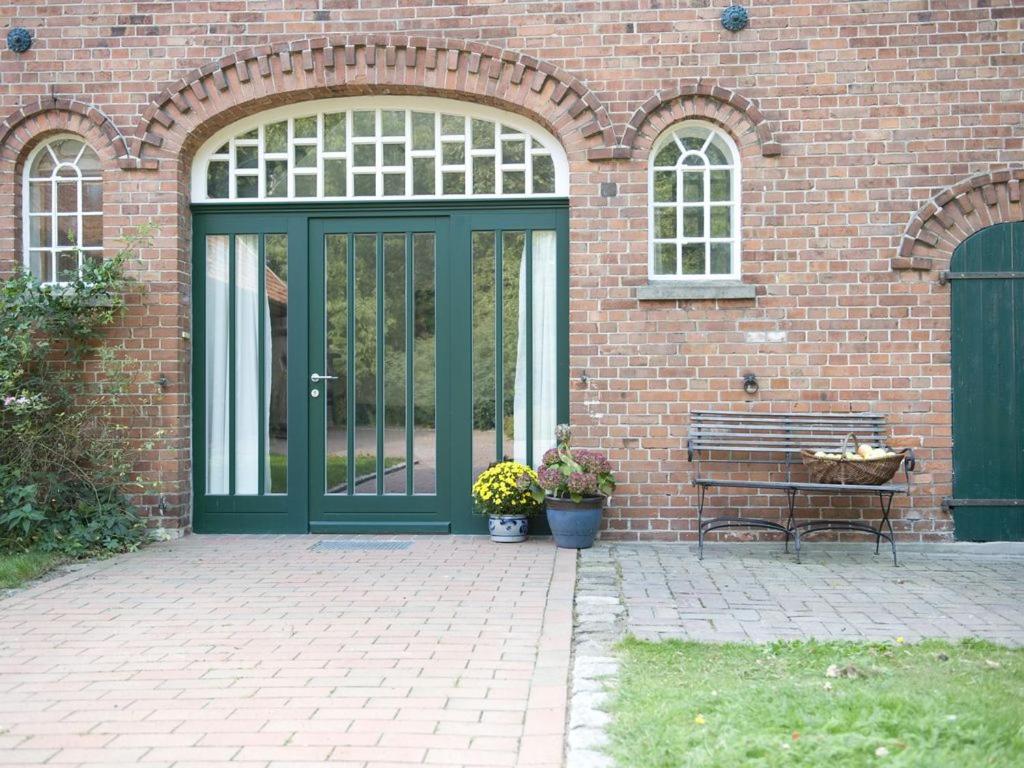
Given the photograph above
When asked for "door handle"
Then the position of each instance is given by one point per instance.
(321, 377)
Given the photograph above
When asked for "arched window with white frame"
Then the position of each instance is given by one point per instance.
(694, 193)
(384, 147)
(62, 205)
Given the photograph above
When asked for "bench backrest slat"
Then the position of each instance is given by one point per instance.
(782, 433)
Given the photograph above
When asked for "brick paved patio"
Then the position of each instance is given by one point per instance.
(753, 592)
(256, 651)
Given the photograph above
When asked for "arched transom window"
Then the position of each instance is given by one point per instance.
(694, 199)
(379, 147)
(63, 208)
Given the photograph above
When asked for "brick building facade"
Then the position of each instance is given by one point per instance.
(873, 137)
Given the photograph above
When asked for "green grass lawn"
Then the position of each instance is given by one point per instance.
(932, 704)
(337, 468)
(17, 568)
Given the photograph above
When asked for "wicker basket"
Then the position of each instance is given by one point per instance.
(848, 472)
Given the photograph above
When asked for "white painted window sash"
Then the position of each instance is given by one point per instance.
(506, 128)
(673, 135)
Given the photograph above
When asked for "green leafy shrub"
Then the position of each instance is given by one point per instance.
(66, 401)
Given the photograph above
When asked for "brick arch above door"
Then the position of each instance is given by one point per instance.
(266, 76)
(957, 212)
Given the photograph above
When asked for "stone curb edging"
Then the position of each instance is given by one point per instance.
(599, 624)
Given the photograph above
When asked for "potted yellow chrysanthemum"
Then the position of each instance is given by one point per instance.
(502, 492)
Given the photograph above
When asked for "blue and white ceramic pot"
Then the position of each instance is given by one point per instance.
(508, 529)
(575, 524)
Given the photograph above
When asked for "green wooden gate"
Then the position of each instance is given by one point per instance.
(987, 283)
(355, 365)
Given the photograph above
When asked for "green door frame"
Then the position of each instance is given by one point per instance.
(268, 513)
(505, 219)
(290, 513)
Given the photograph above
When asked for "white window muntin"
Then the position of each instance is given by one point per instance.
(674, 135)
(44, 259)
(507, 127)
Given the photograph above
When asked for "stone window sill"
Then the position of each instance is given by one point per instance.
(702, 290)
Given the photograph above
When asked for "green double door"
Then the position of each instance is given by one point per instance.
(987, 303)
(355, 369)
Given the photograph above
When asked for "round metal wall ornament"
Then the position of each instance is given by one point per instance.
(735, 18)
(19, 39)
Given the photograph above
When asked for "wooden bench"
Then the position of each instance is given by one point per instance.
(764, 449)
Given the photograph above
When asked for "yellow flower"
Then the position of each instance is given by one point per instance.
(497, 489)
(699, 719)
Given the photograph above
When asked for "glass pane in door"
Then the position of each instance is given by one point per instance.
(485, 436)
(395, 363)
(217, 416)
(366, 365)
(276, 364)
(380, 345)
(424, 379)
(513, 342)
(542, 381)
(515, 333)
(336, 269)
(245, 362)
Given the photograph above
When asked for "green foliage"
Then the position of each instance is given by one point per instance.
(65, 407)
(810, 704)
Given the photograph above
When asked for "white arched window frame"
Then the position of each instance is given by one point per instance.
(694, 204)
(380, 147)
(62, 208)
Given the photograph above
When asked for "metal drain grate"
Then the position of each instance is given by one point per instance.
(359, 546)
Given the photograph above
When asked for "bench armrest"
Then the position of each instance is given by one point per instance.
(689, 450)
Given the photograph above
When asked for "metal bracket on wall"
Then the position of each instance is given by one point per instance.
(948, 502)
(945, 277)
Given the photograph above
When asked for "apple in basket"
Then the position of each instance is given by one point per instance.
(864, 451)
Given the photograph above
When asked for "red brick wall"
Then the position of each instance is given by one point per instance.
(850, 118)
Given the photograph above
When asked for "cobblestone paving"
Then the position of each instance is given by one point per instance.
(841, 591)
(256, 651)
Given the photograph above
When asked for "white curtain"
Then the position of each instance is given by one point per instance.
(248, 415)
(247, 373)
(217, 415)
(545, 350)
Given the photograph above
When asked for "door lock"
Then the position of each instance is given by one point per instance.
(314, 393)
(321, 377)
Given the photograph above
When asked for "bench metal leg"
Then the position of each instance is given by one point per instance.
(702, 490)
(796, 540)
(791, 493)
(885, 501)
(704, 527)
(884, 530)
